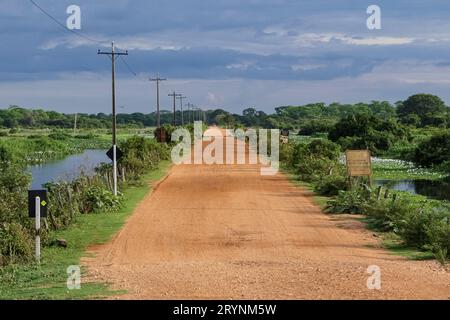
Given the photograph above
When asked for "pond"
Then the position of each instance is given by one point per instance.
(67, 169)
(434, 189)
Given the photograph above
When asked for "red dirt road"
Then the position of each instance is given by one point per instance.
(226, 232)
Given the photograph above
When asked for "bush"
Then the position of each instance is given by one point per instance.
(331, 185)
(434, 151)
(96, 199)
(352, 202)
(16, 244)
(287, 153)
(316, 159)
(140, 155)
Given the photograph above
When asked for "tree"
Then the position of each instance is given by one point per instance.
(362, 131)
(426, 106)
(434, 151)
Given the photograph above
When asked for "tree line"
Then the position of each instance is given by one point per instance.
(419, 110)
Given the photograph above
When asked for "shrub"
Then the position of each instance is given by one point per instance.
(16, 243)
(434, 151)
(352, 202)
(287, 153)
(141, 154)
(96, 199)
(330, 185)
(438, 235)
(318, 158)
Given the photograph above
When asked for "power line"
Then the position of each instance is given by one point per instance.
(79, 34)
(64, 27)
(128, 66)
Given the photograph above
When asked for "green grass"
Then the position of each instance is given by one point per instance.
(48, 280)
(394, 244)
(33, 146)
(318, 200)
(398, 248)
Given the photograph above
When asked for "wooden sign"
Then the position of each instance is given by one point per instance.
(358, 163)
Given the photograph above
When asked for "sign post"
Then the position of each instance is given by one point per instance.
(359, 164)
(38, 229)
(37, 208)
(115, 154)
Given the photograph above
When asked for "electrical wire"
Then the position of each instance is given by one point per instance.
(64, 27)
(79, 34)
(128, 66)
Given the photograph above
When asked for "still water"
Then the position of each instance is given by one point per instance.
(67, 169)
(439, 189)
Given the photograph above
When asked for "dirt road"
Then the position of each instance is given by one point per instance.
(226, 232)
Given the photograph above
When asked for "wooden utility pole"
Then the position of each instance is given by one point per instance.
(113, 55)
(157, 80)
(181, 98)
(174, 95)
(75, 125)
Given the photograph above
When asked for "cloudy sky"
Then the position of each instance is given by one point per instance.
(231, 54)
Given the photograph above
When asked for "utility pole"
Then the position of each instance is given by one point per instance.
(174, 95)
(75, 125)
(190, 108)
(193, 113)
(181, 98)
(157, 80)
(113, 55)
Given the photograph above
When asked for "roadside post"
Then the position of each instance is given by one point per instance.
(115, 154)
(37, 208)
(38, 229)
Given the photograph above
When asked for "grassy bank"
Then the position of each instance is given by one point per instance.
(36, 146)
(48, 280)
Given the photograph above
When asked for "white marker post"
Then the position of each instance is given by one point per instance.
(38, 229)
(115, 168)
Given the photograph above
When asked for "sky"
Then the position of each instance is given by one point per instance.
(229, 54)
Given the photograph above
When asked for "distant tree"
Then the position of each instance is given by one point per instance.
(426, 106)
(362, 131)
